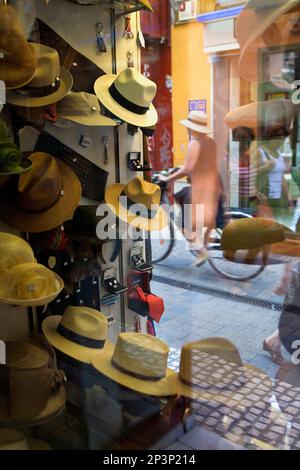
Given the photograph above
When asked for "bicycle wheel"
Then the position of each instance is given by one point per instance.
(237, 271)
(162, 243)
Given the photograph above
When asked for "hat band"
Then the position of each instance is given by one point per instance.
(79, 339)
(198, 123)
(39, 92)
(216, 387)
(125, 103)
(135, 374)
(141, 210)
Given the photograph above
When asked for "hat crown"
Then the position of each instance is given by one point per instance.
(48, 66)
(78, 104)
(40, 188)
(85, 322)
(198, 117)
(141, 355)
(135, 87)
(25, 355)
(13, 250)
(141, 192)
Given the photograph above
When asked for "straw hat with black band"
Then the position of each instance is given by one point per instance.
(128, 96)
(43, 198)
(197, 121)
(50, 83)
(137, 203)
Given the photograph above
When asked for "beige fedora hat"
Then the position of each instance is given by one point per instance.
(253, 22)
(197, 121)
(14, 250)
(139, 362)
(50, 83)
(29, 284)
(82, 108)
(212, 370)
(80, 333)
(137, 203)
(128, 96)
(13, 439)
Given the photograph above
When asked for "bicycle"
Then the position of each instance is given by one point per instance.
(163, 246)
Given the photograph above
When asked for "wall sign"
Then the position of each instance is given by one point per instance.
(197, 105)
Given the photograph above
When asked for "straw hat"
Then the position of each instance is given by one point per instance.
(12, 439)
(144, 3)
(253, 22)
(139, 362)
(44, 197)
(49, 84)
(80, 333)
(128, 96)
(14, 250)
(18, 62)
(212, 369)
(138, 204)
(82, 108)
(29, 284)
(197, 121)
(266, 118)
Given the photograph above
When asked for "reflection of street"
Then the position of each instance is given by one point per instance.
(192, 315)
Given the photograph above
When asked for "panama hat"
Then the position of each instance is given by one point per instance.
(128, 96)
(197, 121)
(82, 108)
(137, 203)
(254, 21)
(212, 370)
(17, 58)
(43, 198)
(14, 250)
(79, 333)
(31, 388)
(29, 284)
(12, 439)
(139, 362)
(49, 84)
(268, 119)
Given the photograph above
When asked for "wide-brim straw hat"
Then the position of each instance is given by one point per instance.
(29, 285)
(139, 362)
(121, 198)
(197, 121)
(128, 96)
(80, 333)
(251, 23)
(14, 250)
(48, 170)
(13, 439)
(50, 83)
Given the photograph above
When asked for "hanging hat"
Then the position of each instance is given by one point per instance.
(31, 388)
(80, 333)
(17, 58)
(256, 27)
(44, 197)
(197, 121)
(268, 119)
(82, 108)
(137, 203)
(14, 250)
(11, 159)
(128, 96)
(139, 362)
(212, 370)
(12, 439)
(50, 83)
(29, 284)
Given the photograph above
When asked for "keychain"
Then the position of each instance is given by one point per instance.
(105, 141)
(130, 58)
(128, 34)
(100, 40)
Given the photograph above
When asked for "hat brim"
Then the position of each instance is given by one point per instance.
(196, 127)
(54, 407)
(97, 120)
(71, 349)
(41, 300)
(36, 444)
(51, 218)
(167, 386)
(66, 83)
(146, 4)
(25, 166)
(112, 195)
(101, 88)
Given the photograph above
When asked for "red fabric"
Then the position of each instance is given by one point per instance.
(155, 304)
